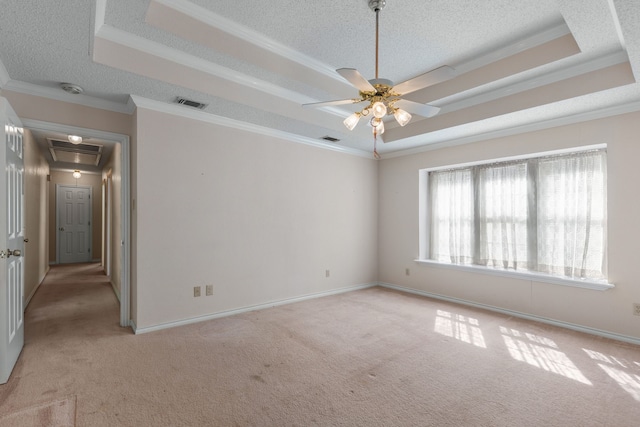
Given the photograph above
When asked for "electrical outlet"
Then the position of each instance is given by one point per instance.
(196, 291)
(209, 290)
(407, 272)
(327, 273)
(636, 309)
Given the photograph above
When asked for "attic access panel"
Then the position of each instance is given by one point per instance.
(83, 154)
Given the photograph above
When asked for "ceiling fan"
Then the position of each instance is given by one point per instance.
(383, 97)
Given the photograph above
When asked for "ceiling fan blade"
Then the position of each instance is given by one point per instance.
(329, 103)
(424, 110)
(354, 77)
(430, 78)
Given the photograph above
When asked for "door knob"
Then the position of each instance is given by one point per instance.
(15, 252)
(61, 229)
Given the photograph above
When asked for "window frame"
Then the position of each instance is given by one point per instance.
(425, 219)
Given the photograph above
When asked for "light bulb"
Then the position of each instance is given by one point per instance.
(379, 110)
(402, 117)
(77, 174)
(75, 139)
(377, 125)
(351, 121)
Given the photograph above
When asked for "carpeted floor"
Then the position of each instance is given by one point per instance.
(366, 358)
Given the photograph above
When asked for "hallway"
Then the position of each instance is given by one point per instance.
(74, 306)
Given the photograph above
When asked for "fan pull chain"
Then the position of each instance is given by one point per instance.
(375, 141)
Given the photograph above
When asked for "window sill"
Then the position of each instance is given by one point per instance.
(534, 277)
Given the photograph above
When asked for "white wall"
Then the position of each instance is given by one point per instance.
(36, 195)
(260, 219)
(609, 311)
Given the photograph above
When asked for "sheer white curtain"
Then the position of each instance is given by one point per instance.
(502, 204)
(546, 214)
(572, 215)
(452, 216)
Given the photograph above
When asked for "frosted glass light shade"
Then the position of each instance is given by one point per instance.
(379, 110)
(402, 117)
(377, 125)
(351, 121)
(77, 174)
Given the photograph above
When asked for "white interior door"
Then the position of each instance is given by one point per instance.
(74, 223)
(11, 241)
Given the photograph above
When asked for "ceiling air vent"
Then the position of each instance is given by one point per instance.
(330, 139)
(190, 103)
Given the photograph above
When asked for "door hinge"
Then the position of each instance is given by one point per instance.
(89, 223)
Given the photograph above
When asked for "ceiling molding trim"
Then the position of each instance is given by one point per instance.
(616, 110)
(58, 95)
(177, 110)
(101, 12)
(555, 31)
(248, 35)
(4, 75)
(594, 64)
(135, 42)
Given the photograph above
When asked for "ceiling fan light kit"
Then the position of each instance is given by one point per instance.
(383, 97)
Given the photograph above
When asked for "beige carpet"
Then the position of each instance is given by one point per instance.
(367, 358)
(59, 413)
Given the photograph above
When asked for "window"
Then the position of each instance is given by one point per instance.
(539, 215)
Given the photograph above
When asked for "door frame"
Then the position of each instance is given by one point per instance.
(125, 197)
(58, 240)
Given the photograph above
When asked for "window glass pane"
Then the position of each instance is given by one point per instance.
(572, 215)
(546, 214)
(452, 216)
(502, 215)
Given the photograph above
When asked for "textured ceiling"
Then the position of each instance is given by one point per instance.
(256, 63)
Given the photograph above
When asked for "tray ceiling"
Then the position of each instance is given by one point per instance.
(520, 65)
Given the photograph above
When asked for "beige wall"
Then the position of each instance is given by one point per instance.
(112, 173)
(609, 311)
(258, 218)
(36, 191)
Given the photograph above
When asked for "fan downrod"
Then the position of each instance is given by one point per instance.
(376, 5)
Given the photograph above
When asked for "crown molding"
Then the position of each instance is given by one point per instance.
(553, 32)
(133, 41)
(587, 66)
(570, 119)
(248, 35)
(181, 111)
(59, 95)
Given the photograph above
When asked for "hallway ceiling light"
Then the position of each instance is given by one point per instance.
(75, 139)
(77, 174)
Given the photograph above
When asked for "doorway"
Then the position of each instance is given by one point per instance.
(120, 247)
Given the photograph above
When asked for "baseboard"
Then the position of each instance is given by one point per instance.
(35, 289)
(115, 290)
(566, 325)
(271, 304)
